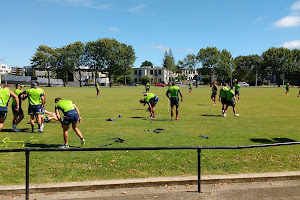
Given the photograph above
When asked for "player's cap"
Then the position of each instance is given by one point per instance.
(19, 84)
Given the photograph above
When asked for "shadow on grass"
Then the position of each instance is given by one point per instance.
(275, 140)
(10, 130)
(157, 120)
(202, 104)
(212, 115)
(40, 145)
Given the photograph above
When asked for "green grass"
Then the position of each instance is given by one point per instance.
(266, 116)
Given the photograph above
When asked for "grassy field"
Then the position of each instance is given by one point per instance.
(267, 115)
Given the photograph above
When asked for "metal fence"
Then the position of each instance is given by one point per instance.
(198, 148)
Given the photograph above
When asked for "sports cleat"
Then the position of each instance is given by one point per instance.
(64, 146)
(236, 115)
(213, 104)
(82, 141)
(172, 119)
(150, 117)
(224, 115)
(97, 97)
(176, 118)
(15, 129)
(41, 131)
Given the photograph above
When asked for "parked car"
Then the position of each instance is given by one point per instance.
(159, 85)
(243, 84)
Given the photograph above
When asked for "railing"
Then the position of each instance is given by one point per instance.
(198, 148)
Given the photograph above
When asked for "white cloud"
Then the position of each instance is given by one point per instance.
(163, 48)
(114, 29)
(296, 6)
(288, 21)
(189, 50)
(291, 44)
(137, 8)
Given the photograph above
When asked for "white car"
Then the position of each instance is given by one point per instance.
(243, 84)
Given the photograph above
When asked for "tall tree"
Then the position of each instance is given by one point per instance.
(190, 63)
(278, 61)
(209, 58)
(169, 62)
(223, 69)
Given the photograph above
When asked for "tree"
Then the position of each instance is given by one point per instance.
(169, 62)
(223, 69)
(146, 63)
(145, 79)
(278, 61)
(42, 59)
(190, 62)
(121, 79)
(209, 59)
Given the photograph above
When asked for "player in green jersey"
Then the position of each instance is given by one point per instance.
(223, 96)
(287, 88)
(18, 114)
(5, 95)
(71, 117)
(190, 88)
(43, 109)
(36, 102)
(151, 100)
(97, 89)
(237, 90)
(214, 93)
(147, 87)
(231, 101)
(172, 94)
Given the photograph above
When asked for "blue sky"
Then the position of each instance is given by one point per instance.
(243, 27)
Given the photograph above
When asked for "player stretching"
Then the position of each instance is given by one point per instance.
(18, 113)
(231, 101)
(71, 117)
(36, 103)
(173, 91)
(5, 95)
(151, 100)
(222, 96)
(214, 93)
(97, 89)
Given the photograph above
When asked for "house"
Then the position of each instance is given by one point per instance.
(157, 74)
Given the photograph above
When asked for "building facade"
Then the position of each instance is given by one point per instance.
(157, 74)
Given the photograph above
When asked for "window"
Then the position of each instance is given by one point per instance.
(151, 72)
(159, 72)
(140, 72)
(155, 72)
(135, 72)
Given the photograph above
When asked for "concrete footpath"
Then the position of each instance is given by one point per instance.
(279, 185)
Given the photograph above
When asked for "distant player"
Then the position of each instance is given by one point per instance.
(287, 88)
(231, 101)
(223, 96)
(299, 91)
(237, 90)
(151, 100)
(5, 95)
(18, 113)
(190, 88)
(172, 94)
(36, 103)
(71, 117)
(147, 87)
(97, 89)
(214, 93)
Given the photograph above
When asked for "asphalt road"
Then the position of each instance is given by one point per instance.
(283, 190)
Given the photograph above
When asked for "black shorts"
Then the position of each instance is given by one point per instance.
(214, 94)
(3, 114)
(223, 100)
(154, 100)
(17, 112)
(35, 110)
(287, 89)
(230, 103)
(70, 118)
(174, 101)
(237, 92)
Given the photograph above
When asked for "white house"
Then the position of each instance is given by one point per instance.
(157, 74)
